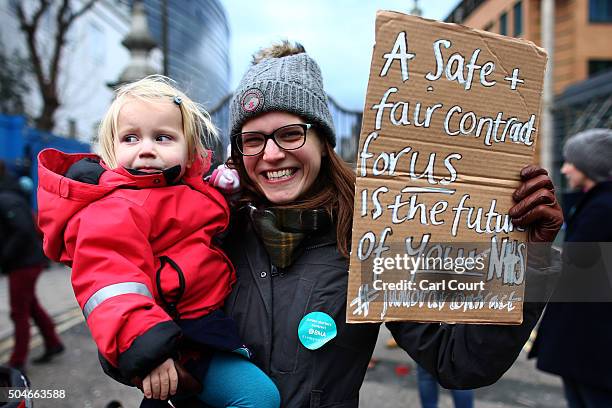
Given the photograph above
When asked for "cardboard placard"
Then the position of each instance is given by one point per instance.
(450, 118)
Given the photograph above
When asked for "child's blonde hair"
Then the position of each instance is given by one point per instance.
(197, 126)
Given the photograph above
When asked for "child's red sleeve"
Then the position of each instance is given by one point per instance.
(112, 277)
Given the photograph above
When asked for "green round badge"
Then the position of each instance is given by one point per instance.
(316, 329)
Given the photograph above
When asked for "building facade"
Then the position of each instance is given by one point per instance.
(92, 57)
(583, 29)
(582, 58)
(198, 46)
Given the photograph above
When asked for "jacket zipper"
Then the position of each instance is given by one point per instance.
(318, 246)
(273, 270)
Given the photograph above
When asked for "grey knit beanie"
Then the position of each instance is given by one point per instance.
(591, 153)
(288, 84)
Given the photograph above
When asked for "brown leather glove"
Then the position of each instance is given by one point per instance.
(536, 206)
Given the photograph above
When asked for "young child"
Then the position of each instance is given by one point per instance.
(137, 227)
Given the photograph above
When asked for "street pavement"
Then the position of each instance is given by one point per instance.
(391, 384)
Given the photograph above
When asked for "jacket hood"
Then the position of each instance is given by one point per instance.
(60, 198)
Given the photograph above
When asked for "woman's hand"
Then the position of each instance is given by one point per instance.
(536, 206)
(162, 382)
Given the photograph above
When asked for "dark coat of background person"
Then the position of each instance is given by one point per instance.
(268, 303)
(20, 244)
(575, 339)
(21, 256)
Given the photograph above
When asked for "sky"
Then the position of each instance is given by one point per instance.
(338, 34)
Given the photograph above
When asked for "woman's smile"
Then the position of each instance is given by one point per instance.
(281, 175)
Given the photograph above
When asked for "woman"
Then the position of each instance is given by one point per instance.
(290, 246)
(581, 309)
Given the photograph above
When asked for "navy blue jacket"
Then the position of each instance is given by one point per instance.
(268, 303)
(575, 339)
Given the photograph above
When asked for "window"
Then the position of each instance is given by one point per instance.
(600, 11)
(597, 66)
(503, 24)
(518, 19)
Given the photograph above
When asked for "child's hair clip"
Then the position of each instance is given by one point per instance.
(178, 100)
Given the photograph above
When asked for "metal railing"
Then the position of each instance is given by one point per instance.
(582, 106)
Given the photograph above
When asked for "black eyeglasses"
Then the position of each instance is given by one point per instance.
(290, 137)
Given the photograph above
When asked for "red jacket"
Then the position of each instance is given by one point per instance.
(134, 244)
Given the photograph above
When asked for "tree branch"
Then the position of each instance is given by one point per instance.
(48, 83)
(83, 10)
(60, 35)
(30, 28)
(43, 6)
(65, 18)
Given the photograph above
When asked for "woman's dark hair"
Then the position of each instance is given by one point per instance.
(333, 189)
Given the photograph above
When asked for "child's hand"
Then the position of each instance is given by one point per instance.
(225, 179)
(162, 382)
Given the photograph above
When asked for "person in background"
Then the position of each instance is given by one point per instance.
(290, 243)
(22, 258)
(429, 391)
(574, 340)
